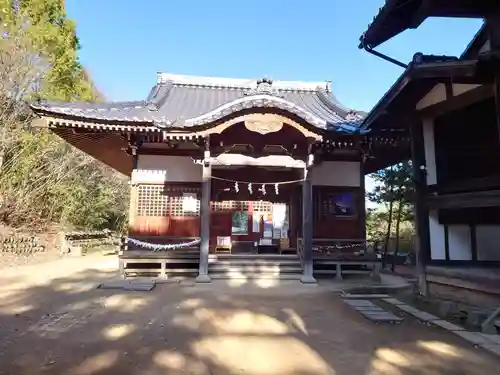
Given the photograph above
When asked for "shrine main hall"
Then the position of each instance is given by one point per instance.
(235, 177)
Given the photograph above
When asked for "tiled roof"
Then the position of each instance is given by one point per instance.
(181, 101)
(396, 16)
(393, 18)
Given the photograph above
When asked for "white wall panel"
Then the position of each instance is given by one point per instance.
(337, 173)
(162, 168)
(436, 232)
(459, 242)
(430, 151)
(488, 242)
(434, 96)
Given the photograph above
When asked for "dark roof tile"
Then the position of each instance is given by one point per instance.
(179, 101)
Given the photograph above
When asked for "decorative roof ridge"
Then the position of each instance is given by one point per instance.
(251, 101)
(238, 83)
(158, 96)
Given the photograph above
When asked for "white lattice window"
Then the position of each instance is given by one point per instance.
(156, 200)
(231, 206)
(262, 206)
(151, 201)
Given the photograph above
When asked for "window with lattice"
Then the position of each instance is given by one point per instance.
(151, 201)
(262, 206)
(156, 200)
(230, 206)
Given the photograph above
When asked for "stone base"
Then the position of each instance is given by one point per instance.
(203, 279)
(308, 279)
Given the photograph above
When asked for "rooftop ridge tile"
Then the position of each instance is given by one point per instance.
(239, 83)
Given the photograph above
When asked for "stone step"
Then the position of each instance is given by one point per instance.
(253, 257)
(253, 276)
(253, 269)
(333, 271)
(256, 262)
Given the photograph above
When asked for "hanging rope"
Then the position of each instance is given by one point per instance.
(249, 183)
(162, 247)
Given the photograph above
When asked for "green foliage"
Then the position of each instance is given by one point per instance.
(42, 178)
(394, 190)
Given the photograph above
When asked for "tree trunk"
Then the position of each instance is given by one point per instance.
(398, 222)
(388, 234)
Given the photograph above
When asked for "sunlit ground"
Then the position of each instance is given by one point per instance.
(61, 326)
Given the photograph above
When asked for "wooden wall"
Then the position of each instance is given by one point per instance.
(467, 143)
(170, 221)
(329, 226)
(157, 210)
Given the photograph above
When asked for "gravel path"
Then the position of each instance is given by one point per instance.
(54, 321)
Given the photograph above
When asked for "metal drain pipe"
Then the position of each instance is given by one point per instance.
(385, 57)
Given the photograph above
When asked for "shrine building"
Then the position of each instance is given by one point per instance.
(229, 174)
(450, 107)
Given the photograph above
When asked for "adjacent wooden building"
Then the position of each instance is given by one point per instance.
(235, 168)
(450, 106)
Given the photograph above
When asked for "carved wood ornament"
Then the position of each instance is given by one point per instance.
(262, 123)
(263, 127)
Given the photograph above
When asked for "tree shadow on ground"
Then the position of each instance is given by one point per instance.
(67, 326)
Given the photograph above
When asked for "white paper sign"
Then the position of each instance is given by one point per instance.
(256, 222)
(189, 203)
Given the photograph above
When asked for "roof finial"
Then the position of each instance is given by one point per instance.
(328, 86)
(159, 77)
(264, 87)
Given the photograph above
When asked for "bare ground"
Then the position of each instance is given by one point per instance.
(54, 321)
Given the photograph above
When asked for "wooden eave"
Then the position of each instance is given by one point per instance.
(51, 120)
(397, 16)
(472, 50)
(400, 100)
(394, 112)
(107, 147)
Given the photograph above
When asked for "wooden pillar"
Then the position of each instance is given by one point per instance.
(205, 217)
(493, 27)
(421, 211)
(362, 197)
(132, 210)
(307, 225)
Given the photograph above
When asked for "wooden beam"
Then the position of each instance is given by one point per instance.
(469, 185)
(456, 102)
(465, 200)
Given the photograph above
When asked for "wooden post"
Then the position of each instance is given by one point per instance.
(132, 209)
(205, 217)
(493, 27)
(307, 225)
(421, 211)
(362, 197)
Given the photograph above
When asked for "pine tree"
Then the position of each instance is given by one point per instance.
(394, 189)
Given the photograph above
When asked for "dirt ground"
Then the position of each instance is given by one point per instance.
(54, 321)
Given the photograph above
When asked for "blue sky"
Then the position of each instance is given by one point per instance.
(125, 43)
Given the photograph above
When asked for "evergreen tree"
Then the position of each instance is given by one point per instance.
(393, 189)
